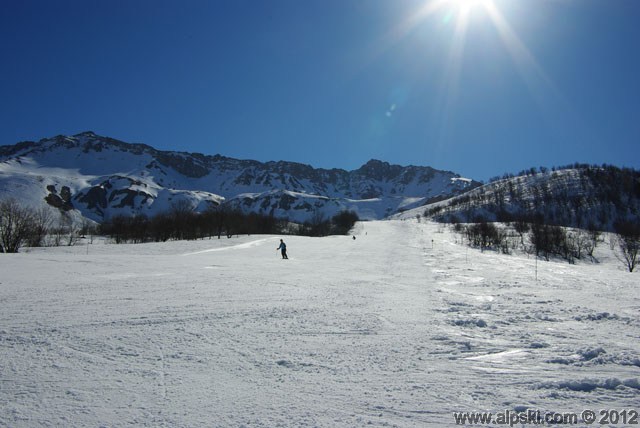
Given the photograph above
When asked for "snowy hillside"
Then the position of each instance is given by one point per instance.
(584, 196)
(399, 327)
(102, 177)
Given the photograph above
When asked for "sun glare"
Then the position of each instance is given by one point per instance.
(448, 6)
(469, 5)
(454, 18)
(457, 16)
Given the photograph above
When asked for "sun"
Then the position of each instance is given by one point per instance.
(454, 19)
(469, 5)
(450, 10)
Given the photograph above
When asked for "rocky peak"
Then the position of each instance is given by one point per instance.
(86, 134)
(379, 170)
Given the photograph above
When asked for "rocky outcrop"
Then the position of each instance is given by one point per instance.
(61, 201)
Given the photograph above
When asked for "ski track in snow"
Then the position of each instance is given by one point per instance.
(400, 327)
(234, 247)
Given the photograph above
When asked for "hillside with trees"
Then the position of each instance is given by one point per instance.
(581, 196)
(558, 213)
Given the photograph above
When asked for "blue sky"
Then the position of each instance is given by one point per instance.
(479, 87)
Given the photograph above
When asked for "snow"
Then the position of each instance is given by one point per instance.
(400, 327)
(85, 161)
(462, 180)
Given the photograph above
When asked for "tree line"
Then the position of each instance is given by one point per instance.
(22, 226)
(534, 236)
(181, 222)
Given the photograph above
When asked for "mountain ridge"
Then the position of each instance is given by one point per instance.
(105, 177)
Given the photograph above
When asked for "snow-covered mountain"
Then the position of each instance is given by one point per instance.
(101, 177)
(577, 196)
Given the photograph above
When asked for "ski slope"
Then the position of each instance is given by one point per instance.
(400, 327)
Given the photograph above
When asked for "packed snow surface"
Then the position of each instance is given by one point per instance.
(400, 327)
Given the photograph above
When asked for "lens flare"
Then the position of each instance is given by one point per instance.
(453, 22)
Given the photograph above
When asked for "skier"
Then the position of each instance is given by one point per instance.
(283, 249)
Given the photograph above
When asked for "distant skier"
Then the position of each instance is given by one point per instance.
(283, 249)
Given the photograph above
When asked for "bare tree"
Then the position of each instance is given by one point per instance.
(15, 224)
(41, 225)
(521, 226)
(594, 237)
(629, 242)
(87, 227)
(65, 231)
(318, 225)
(69, 227)
(181, 213)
